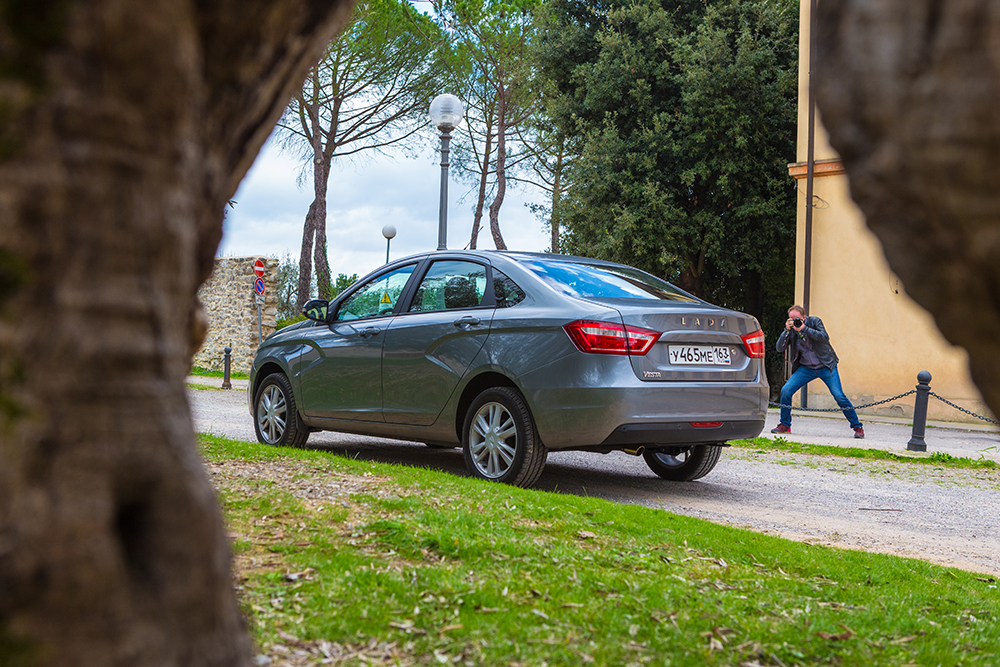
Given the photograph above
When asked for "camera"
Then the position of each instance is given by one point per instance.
(797, 322)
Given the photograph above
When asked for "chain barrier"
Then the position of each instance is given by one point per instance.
(887, 400)
(856, 407)
(210, 370)
(961, 409)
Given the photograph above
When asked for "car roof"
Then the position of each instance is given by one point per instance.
(553, 257)
(514, 255)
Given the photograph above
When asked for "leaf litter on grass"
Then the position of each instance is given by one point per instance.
(416, 579)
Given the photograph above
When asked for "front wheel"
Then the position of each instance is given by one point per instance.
(499, 439)
(276, 417)
(683, 465)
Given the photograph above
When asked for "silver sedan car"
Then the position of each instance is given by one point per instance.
(511, 355)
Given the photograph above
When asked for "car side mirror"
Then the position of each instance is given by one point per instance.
(316, 309)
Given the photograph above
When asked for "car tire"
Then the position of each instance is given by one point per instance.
(499, 439)
(685, 466)
(276, 415)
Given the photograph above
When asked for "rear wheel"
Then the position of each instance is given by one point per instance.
(276, 417)
(683, 465)
(499, 439)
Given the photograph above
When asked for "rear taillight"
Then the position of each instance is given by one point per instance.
(754, 343)
(608, 338)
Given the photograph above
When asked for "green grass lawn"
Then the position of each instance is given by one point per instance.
(362, 563)
(781, 444)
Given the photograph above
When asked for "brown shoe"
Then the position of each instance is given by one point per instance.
(781, 428)
(859, 432)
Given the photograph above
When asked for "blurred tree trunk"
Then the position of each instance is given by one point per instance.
(126, 126)
(908, 90)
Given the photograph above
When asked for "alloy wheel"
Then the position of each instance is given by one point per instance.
(272, 411)
(493, 440)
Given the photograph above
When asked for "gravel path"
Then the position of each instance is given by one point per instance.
(941, 514)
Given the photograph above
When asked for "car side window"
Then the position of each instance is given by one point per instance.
(450, 285)
(377, 297)
(507, 292)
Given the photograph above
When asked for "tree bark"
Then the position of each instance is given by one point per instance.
(313, 251)
(690, 278)
(484, 174)
(320, 258)
(127, 126)
(688, 281)
(305, 258)
(908, 90)
(501, 169)
(557, 193)
(314, 225)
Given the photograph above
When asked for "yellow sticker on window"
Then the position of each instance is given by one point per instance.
(385, 298)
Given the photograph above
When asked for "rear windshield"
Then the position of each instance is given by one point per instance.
(604, 282)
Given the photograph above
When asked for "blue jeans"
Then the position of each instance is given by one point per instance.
(803, 376)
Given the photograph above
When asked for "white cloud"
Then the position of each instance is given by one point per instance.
(271, 207)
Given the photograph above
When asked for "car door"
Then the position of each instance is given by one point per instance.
(429, 347)
(341, 375)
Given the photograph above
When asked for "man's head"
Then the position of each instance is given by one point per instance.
(797, 312)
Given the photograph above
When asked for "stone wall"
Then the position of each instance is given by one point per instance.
(228, 296)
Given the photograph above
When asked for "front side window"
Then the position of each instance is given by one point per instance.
(450, 285)
(377, 297)
(601, 281)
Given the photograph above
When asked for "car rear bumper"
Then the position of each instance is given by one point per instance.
(681, 433)
(619, 410)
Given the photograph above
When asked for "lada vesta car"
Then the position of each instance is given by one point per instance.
(512, 355)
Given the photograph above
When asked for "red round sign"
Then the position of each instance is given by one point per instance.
(258, 268)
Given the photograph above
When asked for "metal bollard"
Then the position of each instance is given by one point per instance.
(916, 443)
(226, 384)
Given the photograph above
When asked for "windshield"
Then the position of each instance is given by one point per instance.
(602, 281)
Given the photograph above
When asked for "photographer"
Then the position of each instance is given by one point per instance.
(812, 357)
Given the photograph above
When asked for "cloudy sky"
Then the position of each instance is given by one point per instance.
(363, 197)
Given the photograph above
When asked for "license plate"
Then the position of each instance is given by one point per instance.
(699, 355)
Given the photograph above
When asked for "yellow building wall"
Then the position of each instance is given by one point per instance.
(883, 338)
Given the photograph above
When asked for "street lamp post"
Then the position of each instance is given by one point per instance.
(389, 232)
(446, 113)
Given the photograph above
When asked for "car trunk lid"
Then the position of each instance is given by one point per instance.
(697, 343)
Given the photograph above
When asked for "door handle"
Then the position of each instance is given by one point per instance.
(467, 320)
(370, 331)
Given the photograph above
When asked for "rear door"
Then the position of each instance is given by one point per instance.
(429, 347)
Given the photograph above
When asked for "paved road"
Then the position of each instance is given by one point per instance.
(944, 515)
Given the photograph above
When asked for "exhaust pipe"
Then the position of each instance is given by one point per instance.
(635, 452)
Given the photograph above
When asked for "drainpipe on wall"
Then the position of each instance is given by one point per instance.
(810, 165)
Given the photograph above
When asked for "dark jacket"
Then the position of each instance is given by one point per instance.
(816, 332)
